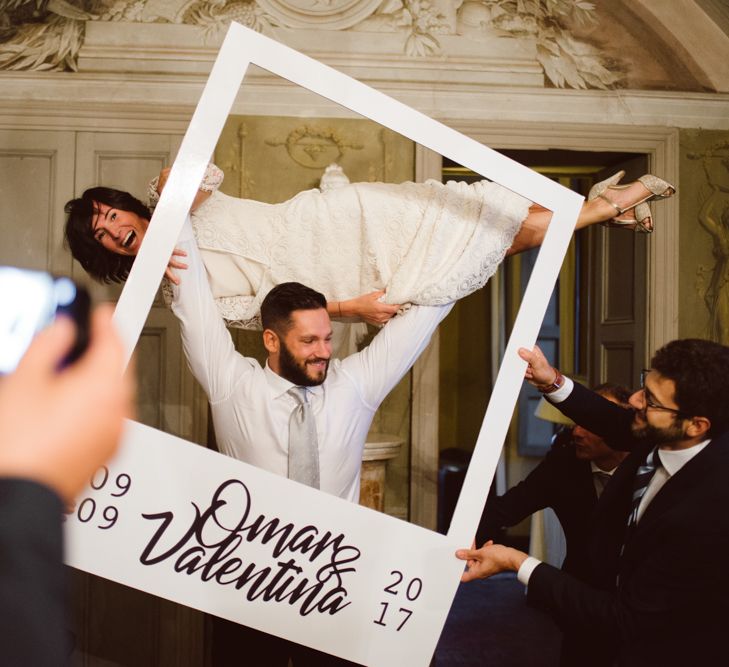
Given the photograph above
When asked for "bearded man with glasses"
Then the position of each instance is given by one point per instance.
(659, 585)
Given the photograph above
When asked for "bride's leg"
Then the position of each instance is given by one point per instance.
(597, 210)
(532, 231)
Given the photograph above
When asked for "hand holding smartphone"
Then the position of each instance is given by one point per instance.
(64, 394)
(29, 301)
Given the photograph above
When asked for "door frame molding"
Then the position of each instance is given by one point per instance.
(661, 146)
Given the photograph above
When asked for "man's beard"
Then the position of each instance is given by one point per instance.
(659, 436)
(296, 372)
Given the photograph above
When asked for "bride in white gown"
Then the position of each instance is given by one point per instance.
(424, 243)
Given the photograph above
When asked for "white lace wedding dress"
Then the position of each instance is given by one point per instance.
(423, 243)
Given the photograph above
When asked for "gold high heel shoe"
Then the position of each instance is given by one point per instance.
(657, 187)
(597, 189)
(642, 223)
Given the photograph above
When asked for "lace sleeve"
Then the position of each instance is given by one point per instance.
(239, 312)
(210, 183)
(212, 179)
(152, 194)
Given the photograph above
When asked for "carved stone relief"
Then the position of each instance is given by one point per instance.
(322, 14)
(575, 43)
(47, 34)
(704, 235)
(567, 61)
(273, 158)
(713, 216)
(313, 147)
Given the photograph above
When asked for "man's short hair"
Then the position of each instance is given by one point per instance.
(283, 300)
(700, 371)
(617, 391)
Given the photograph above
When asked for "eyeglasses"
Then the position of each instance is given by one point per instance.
(651, 404)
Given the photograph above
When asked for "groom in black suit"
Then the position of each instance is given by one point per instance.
(660, 548)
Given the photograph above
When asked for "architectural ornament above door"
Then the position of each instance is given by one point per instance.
(322, 14)
(560, 43)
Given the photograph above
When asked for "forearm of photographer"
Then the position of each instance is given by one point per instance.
(56, 428)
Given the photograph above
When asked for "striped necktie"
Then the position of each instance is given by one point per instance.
(303, 442)
(643, 478)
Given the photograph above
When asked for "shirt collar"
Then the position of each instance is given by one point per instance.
(675, 459)
(279, 386)
(595, 468)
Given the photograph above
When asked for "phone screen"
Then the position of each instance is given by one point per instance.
(29, 301)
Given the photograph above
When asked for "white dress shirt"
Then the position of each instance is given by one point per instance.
(671, 462)
(250, 405)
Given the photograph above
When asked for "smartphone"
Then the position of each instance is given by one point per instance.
(29, 301)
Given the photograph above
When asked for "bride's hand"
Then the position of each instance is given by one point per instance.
(369, 308)
(175, 264)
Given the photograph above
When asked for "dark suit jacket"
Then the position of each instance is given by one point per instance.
(33, 628)
(671, 605)
(561, 482)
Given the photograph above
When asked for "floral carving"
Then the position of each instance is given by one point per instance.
(39, 34)
(314, 147)
(566, 61)
(216, 16)
(124, 10)
(420, 20)
(52, 45)
(47, 34)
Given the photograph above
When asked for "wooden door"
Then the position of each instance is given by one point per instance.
(617, 278)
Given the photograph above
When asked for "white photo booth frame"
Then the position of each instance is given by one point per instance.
(361, 585)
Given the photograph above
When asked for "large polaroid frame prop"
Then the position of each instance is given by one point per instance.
(181, 522)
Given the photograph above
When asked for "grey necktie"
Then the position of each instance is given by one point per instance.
(600, 480)
(303, 444)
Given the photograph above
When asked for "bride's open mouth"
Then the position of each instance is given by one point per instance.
(129, 239)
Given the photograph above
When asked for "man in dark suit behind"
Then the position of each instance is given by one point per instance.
(661, 530)
(569, 479)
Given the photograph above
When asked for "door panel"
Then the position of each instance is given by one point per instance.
(618, 295)
(36, 178)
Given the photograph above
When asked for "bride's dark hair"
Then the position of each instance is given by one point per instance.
(100, 263)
